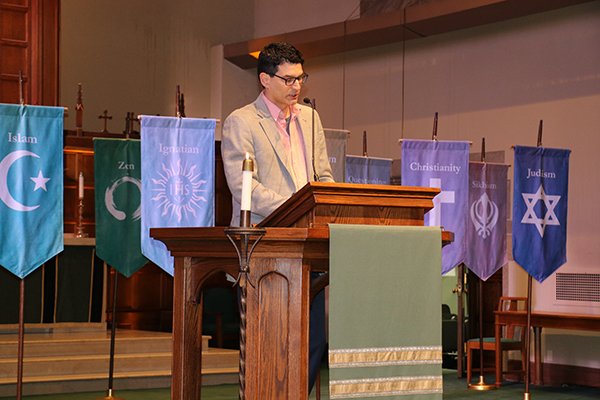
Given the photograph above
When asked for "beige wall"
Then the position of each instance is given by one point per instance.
(130, 55)
(495, 82)
(274, 17)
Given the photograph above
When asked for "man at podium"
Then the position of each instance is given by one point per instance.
(286, 141)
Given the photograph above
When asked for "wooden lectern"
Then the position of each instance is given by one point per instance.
(296, 242)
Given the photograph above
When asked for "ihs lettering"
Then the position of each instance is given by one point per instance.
(179, 188)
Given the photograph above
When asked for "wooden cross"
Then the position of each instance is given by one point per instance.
(105, 116)
(129, 120)
(134, 118)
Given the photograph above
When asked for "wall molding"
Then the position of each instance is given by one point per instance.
(413, 22)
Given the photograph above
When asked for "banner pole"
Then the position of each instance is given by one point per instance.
(21, 95)
(459, 290)
(21, 329)
(526, 395)
(481, 385)
(21, 339)
(177, 102)
(109, 395)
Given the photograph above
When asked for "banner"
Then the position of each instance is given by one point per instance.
(118, 183)
(540, 209)
(445, 165)
(178, 179)
(336, 141)
(486, 228)
(377, 349)
(31, 186)
(370, 170)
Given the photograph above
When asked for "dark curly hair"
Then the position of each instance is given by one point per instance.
(275, 54)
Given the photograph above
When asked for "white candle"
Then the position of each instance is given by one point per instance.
(81, 185)
(247, 169)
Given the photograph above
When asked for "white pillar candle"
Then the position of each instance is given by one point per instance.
(81, 185)
(247, 170)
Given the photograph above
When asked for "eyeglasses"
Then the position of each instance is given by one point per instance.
(290, 81)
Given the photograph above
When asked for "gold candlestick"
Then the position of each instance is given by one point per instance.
(79, 230)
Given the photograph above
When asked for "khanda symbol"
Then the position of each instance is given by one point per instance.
(484, 214)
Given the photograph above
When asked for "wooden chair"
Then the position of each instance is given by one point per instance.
(508, 340)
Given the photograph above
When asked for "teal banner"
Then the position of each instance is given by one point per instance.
(118, 184)
(31, 186)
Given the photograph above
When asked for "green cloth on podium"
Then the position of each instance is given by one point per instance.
(384, 312)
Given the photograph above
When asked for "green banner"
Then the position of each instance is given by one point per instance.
(118, 185)
(384, 312)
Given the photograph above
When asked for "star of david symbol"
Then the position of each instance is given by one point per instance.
(530, 216)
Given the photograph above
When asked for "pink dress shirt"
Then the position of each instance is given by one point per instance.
(293, 140)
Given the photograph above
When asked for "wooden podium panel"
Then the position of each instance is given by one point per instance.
(278, 296)
(277, 306)
(320, 203)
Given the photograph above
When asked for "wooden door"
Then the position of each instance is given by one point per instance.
(29, 42)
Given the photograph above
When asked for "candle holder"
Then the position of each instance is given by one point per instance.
(79, 230)
(244, 252)
(245, 218)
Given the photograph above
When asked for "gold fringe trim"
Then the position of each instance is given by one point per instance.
(379, 387)
(374, 357)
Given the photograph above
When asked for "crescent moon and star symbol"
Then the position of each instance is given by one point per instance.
(109, 199)
(5, 196)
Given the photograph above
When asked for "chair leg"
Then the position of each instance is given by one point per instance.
(469, 363)
(498, 359)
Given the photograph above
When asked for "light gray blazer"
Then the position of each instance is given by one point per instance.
(251, 129)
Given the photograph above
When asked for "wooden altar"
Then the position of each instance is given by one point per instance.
(278, 297)
(539, 320)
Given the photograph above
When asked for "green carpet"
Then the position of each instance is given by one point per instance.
(454, 388)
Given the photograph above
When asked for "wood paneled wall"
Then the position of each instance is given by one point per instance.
(29, 43)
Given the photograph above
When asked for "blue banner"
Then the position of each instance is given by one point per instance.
(445, 165)
(369, 170)
(336, 143)
(486, 229)
(540, 209)
(178, 179)
(31, 186)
